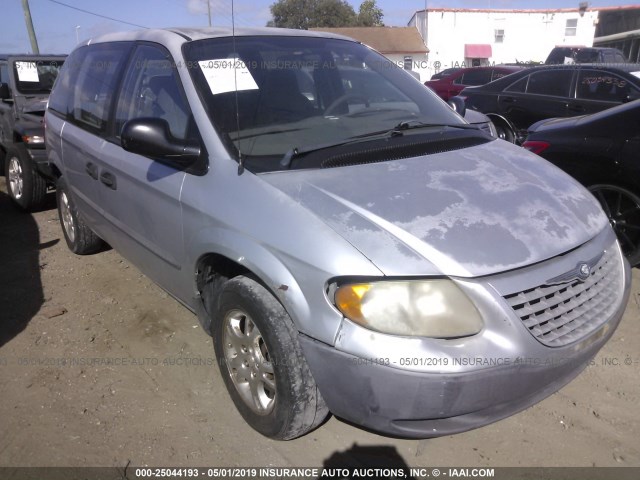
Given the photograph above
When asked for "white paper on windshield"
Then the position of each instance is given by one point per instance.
(27, 71)
(227, 75)
(636, 74)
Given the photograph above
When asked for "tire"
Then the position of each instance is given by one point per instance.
(622, 208)
(503, 131)
(79, 237)
(262, 364)
(26, 187)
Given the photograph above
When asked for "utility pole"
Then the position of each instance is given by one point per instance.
(29, 22)
(209, 10)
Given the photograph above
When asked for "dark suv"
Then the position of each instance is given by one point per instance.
(25, 84)
(515, 102)
(562, 55)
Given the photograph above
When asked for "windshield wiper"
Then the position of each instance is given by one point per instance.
(396, 131)
(297, 151)
(411, 124)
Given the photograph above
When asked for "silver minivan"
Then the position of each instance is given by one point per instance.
(352, 245)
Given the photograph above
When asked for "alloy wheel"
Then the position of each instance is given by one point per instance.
(16, 180)
(248, 362)
(67, 218)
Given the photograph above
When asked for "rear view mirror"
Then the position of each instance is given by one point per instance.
(151, 137)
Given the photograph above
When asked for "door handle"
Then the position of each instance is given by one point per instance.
(508, 99)
(577, 108)
(109, 180)
(92, 170)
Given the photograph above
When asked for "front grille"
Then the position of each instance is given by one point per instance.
(564, 313)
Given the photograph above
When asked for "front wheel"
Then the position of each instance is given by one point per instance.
(26, 187)
(262, 364)
(622, 208)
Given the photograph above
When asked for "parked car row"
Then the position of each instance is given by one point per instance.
(347, 239)
(598, 150)
(451, 84)
(517, 101)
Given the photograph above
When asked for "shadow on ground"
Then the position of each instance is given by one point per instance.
(21, 294)
(376, 461)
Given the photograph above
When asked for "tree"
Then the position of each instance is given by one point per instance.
(305, 14)
(370, 15)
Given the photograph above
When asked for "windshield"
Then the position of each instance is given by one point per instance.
(271, 95)
(36, 76)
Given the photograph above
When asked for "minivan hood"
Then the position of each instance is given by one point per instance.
(469, 212)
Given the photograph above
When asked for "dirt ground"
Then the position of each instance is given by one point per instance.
(162, 402)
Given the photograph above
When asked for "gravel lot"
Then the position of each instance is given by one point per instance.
(140, 386)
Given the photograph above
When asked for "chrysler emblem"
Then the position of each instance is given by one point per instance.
(581, 272)
(585, 271)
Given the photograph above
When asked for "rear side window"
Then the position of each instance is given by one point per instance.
(556, 83)
(603, 86)
(475, 77)
(95, 84)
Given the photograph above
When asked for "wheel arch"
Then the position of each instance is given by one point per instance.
(497, 118)
(218, 263)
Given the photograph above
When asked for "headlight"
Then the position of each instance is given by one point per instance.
(426, 308)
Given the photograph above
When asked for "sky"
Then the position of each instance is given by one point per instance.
(58, 27)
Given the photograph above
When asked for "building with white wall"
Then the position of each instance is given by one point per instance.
(470, 37)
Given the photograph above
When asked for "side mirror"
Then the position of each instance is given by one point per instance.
(5, 94)
(458, 105)
(151, 137)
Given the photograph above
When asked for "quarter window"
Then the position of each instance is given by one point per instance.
(518, 86)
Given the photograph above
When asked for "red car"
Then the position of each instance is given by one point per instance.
(452, 85)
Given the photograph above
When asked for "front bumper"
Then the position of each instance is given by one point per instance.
(423, 405)
(420, 388)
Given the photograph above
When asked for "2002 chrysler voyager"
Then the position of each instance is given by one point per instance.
(349, 241)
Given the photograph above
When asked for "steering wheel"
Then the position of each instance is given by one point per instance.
(342, 99)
